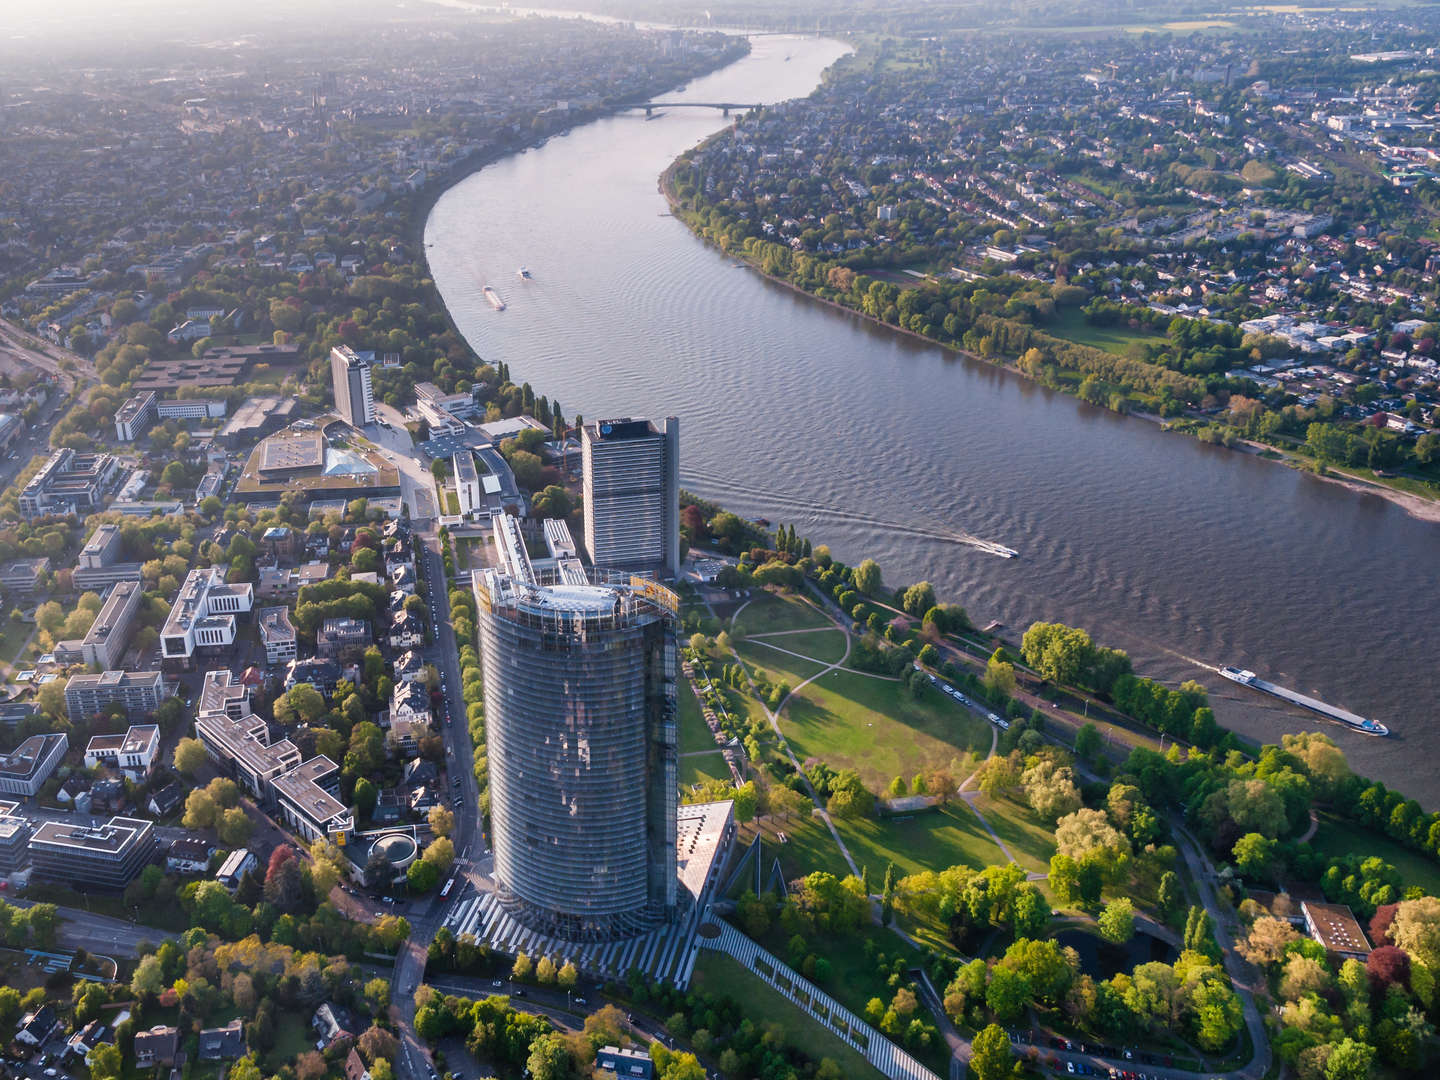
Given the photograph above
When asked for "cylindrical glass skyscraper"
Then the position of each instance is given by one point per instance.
(581, 738)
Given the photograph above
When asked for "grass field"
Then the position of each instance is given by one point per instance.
(718, 973)
(856, 721)
(1335, 838)
(769, 612)
(697, 768)
(827, 646)
(932, 840)
(1029, 839)
(808, 847)
(1071, 325)
(777, 666)
(694, 735)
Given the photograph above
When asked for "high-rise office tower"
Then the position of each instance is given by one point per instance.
(580, 724)
(632, 495)
(354, 393)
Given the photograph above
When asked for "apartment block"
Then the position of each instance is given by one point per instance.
(277, 635)
(88, 693)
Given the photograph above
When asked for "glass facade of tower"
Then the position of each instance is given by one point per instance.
(581, 737)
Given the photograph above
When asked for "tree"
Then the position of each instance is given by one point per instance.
(440, 853)
(200, 810)
(1000, 675)
(376, 1043)
(104, 1062)
(328, 865)
(1254, 855)
(1059, 653)
(189, 756)
(567, 976)
(1350, 1060)
(233, 827)
(523, 967)
(149, 977)
(917, 599)
(1086, 831)
(1267, 941)
(549, 1056)
(1050, 789)
(1170, 895)
(1087, 742)
(867, 576)
(422, 876)
(1117, 921)
(309, 1066)
(1416, 929)
(442, 821)
(991, 1056)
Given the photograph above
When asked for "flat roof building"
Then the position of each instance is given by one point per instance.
(351, 382)
(306, 796)
(89, 693)
(109, 635)
(277, 635)
(107, 856)
(70, 482)
(22, 577)
(242, 748)
(632, 495)
(131, 752)
(26, 768)
(467, 484)
(136, 416)
(1335, 927)
(203, 617)
(98, 565)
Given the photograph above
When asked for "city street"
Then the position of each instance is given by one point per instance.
(417, 485)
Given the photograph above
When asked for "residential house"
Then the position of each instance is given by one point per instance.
(223, 1043)
(410, 703)
(189, 855)
(320, 672)
(160, 1046)
(36, 1027)
(331, 1023)
(343, 637)
(167, 800)
(407, 631)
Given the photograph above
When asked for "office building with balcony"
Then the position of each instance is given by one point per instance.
(354, 391)
(89, 693)
(579, 670)
(632, 495)
(109, 635)
(203, 618)
(105, 856)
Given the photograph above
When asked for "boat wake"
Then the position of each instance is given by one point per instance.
(797, 503)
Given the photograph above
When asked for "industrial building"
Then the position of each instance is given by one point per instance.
(354, 391)
(579, 670)
(632, 495)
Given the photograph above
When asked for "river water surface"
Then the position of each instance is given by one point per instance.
(1184, 554)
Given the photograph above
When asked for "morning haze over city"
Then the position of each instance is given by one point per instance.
(719, 541)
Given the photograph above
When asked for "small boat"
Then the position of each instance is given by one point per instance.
(524, 273)
(494, 298)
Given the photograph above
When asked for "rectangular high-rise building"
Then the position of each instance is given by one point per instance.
(354, 392)
(632, 495)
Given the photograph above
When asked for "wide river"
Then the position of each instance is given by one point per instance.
(1186, 555)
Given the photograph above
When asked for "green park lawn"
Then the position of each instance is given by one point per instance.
(1336, 838)
(768, 612)
(930, 840)
(808, 847)
(824, 646)
(694, 735)
(698, 768)
(719, 973)
(1029, 839)
(776, 666)
(851, 720)
(1070, 324)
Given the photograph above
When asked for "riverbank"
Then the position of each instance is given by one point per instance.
(1420, 507)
